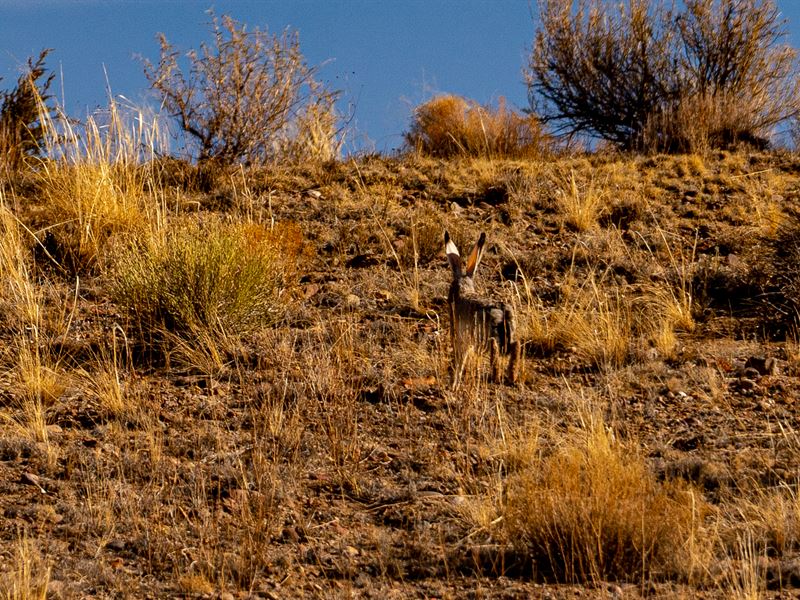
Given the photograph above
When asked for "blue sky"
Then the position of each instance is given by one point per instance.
(386, 55)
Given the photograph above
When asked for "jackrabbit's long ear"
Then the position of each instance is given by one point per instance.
(474, 258)
(453, 257)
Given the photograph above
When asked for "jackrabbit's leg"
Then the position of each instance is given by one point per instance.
(494, 360)
(512, 344)
(460, 356)
(512, 374)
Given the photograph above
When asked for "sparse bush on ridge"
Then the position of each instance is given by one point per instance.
(447, 126)
(248, 97)
(21, 128)
(212, 277)
(644, 75)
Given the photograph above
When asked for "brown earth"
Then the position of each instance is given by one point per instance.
(329, 457)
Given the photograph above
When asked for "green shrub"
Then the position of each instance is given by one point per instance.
(207, 278)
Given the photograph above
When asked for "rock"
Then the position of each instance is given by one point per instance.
(115, 545)
(751, 373)
(55, 588)
(352, 301)
(747, 384)
(32, 479)
(310, 290)
(762, 365)
(289, 534)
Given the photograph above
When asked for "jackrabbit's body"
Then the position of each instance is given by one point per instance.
(478, 323)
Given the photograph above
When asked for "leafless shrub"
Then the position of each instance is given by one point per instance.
(649, 76)
(247, 97)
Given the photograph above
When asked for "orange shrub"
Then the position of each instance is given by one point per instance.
(454, 126)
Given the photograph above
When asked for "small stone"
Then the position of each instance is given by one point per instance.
(762, 365)
(351, 551)
(289, 534)
(747, 384)
(352, 301)
(115, 545)
(31, 479)
(55, 588)
(616, 592)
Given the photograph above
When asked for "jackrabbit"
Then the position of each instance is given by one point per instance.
(477, 323)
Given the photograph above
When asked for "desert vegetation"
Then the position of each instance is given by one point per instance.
(228, 373)
(650, 75)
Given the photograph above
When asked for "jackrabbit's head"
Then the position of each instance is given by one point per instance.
(463, 272)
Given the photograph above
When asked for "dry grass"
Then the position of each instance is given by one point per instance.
(294, 433)
(449, 126)
(595, 324)
(591, 510)
(581, 204)
(98, 180)
(28, 577)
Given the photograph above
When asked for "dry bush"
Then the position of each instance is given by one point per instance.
(249, 97)
(596, 72)
(33, 374)
(701, 122)
(592, 511)
(646, 75)
(21, 130)
(448, 126)
(213, 277)
(768, 517)
(19, 298)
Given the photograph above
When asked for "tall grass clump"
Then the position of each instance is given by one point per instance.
(593, 511)
(448, 126)
(595, 324)
(207, 278)
(98, 180)
(29, 575)
(653, 75)
(33, 372)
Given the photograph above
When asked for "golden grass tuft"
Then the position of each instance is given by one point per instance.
(593, 511)
(98, 180)
(594, 323)
(29, 575)
(581, 204)
(448, 126)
